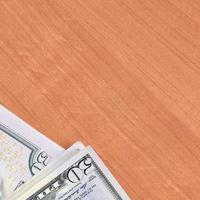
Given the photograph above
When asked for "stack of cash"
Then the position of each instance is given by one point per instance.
(32, 167)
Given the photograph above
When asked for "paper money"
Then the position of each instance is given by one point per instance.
(23, 150)
(83, 177)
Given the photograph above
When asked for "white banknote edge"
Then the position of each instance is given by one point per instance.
(31, 188)
(58, 161)
(20, 127)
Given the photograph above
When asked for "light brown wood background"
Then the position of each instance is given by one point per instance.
(121, 75)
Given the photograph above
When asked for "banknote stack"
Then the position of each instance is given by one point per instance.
(32, 167)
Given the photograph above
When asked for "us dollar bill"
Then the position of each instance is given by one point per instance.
(23, 150)
(83, 177)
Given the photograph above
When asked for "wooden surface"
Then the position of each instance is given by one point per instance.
(121, 75)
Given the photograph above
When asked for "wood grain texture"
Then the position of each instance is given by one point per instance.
(121, 75)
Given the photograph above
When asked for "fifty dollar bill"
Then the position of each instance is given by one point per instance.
(23, 150)
(83, 177)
